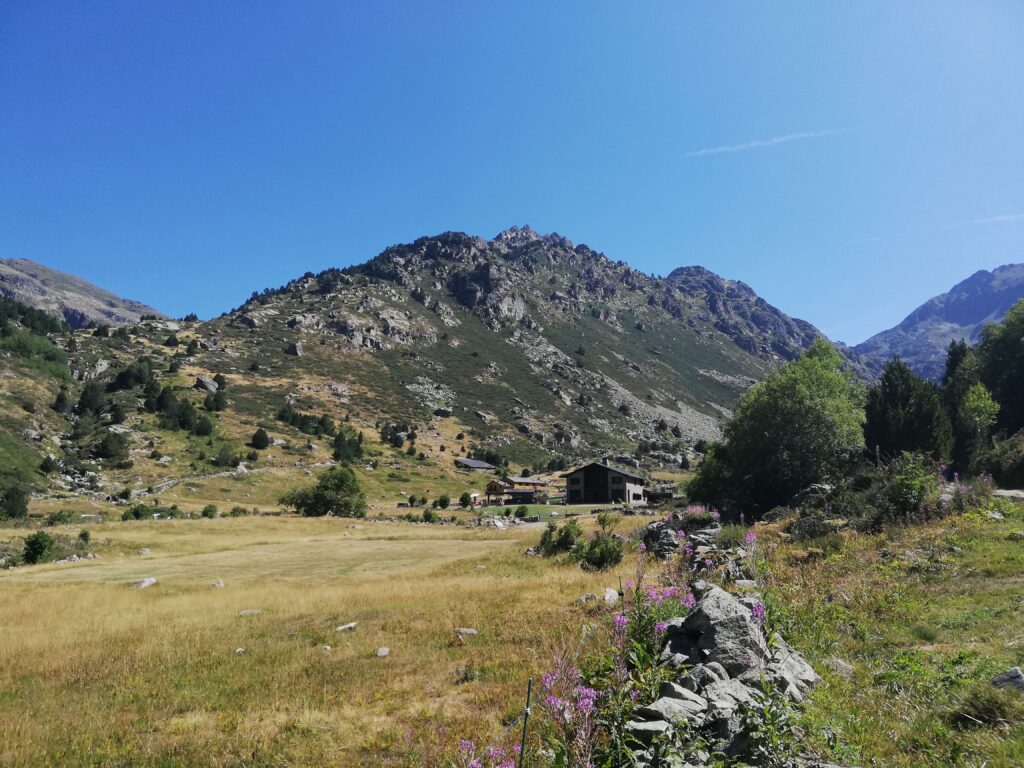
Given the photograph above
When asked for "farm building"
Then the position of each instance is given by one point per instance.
(519, 490)
(474, 464)
(599, 483)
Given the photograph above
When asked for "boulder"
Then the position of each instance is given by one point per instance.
(727, 633)
(294, 348)
(149, 581)
(1011, 678)
(206, 384)
(689, 707)
(645, 731)
(443, 413)
(346, 627)
(383, 651)
(611, 596)
(725, 696)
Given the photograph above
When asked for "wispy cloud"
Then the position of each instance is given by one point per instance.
(1007, 218)
(1004, 219)
(761, 143)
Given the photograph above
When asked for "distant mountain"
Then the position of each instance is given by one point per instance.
(67, 296)
(922, 338)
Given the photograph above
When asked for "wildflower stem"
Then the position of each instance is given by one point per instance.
(526, 720)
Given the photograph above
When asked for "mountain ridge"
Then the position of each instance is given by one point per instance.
(68, 296)
(922, 337)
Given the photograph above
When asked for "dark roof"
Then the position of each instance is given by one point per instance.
(527, 481)
(473, 464)
(610, 468)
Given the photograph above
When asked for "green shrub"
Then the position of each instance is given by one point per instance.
(238, 511)
(260, 439)
(1005, 462)
(601, 552)
(209, 511)
(443, 501)
(38, 548)
(557, 540)
(84, 536)
(521, 511)
(430, 516)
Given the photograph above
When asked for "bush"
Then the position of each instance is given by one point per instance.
(226, 457)
(14, 503)
(430, 516)
(522, 511)
(443, 501)
(209, 511)
(465, 500)
(38, 548)
(238, 511)
(1005, 462)
(558, 540)
(337, 492)
(603, 551)
(260, 439)
(84, 536)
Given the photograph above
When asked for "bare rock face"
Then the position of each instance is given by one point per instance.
(66, 296)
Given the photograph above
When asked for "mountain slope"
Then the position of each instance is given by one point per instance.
(922, 338)
(72, 298)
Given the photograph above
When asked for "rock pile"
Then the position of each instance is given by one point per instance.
(724, 660)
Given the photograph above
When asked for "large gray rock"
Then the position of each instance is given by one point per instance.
(727, 633)
(661, 540)
(645, 731)
(681, 704)
(725, 696)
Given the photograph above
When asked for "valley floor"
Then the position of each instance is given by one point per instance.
(95, 673)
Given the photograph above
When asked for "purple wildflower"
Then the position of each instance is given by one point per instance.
(660, 627)
(621, 620)
(757, 612)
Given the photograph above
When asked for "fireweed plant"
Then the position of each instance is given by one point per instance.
(590, 694)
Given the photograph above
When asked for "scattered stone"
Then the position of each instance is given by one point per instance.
(645, 732)
(611, 596)
(997, 516)
(144, 551)
(218, 584)
(382, 652)
(250, 612)
(294, 348)
(326, 648)
(481, 567)
(465, 631)
(1011, 678)
(206, 384)
(842, 668)
(346, 627)
(1016, 536)
(239, 651)
(149, 581)
(443, 413)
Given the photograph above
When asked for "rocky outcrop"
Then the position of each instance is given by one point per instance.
(78, 302)
(726, 663)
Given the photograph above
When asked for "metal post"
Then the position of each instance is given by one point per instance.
(526, 719)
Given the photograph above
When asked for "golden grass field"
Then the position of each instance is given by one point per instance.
(93, 672)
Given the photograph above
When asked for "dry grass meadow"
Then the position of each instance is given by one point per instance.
(93, 672)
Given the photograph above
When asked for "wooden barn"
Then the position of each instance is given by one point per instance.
(600, 483)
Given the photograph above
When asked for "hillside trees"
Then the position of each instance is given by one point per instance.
(800, 425)
(1001, 355)
(904, 413)
(337, 492)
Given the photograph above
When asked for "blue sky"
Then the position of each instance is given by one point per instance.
(848, 160)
